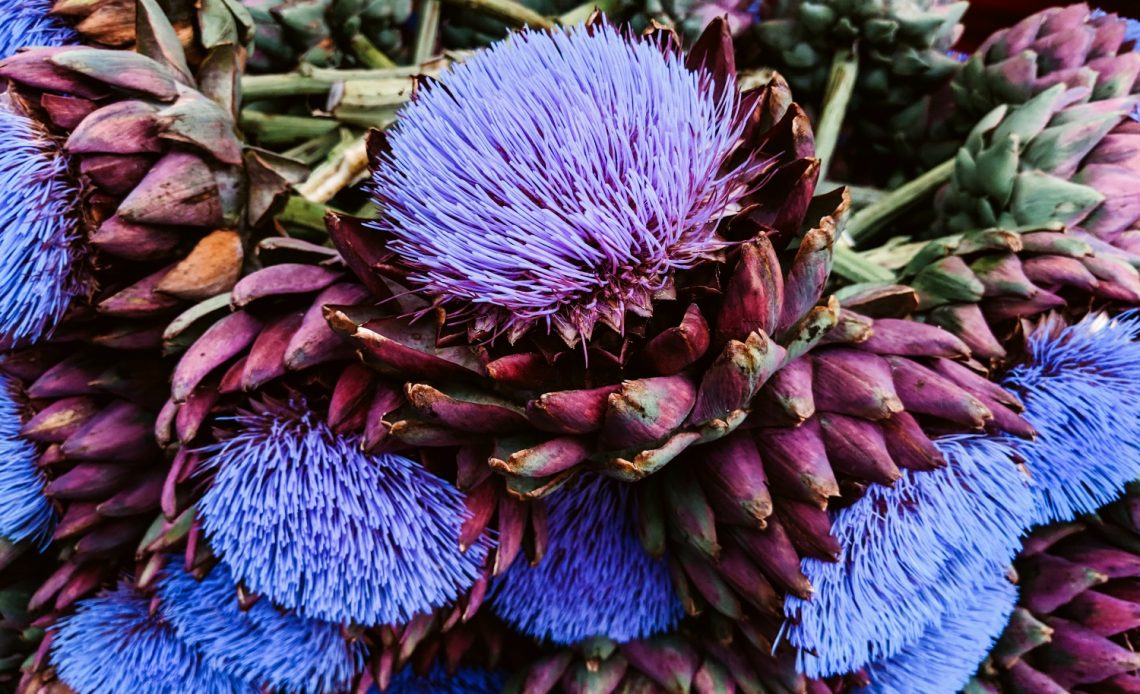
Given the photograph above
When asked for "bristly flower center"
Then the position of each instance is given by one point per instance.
(560, 179)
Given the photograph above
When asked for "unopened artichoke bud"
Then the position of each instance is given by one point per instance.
(329, 33)
(708, 370)
(1051, 185)
(1068, 45)
(901, 45)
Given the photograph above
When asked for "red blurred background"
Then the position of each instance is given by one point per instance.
(987, 16)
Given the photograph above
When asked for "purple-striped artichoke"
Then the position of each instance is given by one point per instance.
(1052, 183)
(1060, 45)
(161, 171)
(1078, 612)
(712, 371)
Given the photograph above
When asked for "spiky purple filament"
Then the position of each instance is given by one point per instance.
(112, 643)
(595, 579)
(948, 654)
(1081, 388)
(305, 518)
(25, 513)
(270, 648)
(556, 177)
(25, 23)
(910, 554)
(39, 203)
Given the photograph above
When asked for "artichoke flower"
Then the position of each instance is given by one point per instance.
(113, 642)
(32, 24)
(267, 419)
(329, 33)
(1052, 185)
(667, 336)
(470, 680)
(595, 562)
(1078, 607)
(258, 643)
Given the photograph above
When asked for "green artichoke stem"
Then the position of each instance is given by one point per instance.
(427, 31)
(836, 98)
(305, 219)
(347, 163)
(856, 267)
(368, 54)
(870, 220)
(270, 129)
(257, 87)
(315, 150)
(509, 11)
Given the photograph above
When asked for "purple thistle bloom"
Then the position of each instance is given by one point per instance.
(25, 513)
(39, 212)
(595, 578)
(439, 681)
(556, 176)
(1081, 389)
(26, 23)
(305, 518)
(112, 643)
(949, 653)
(267, 647)
(911, 553)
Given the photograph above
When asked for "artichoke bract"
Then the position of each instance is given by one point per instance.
(544, 325)
(1043, 198)
(1078, 607)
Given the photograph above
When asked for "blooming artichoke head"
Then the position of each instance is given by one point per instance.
(584, 205)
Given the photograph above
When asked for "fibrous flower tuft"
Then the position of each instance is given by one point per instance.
(39, 210)
(267, 647)
(558, 176)
(305, 518)
(112, 643)
(26, 23)
(595, 579)
(25, 513)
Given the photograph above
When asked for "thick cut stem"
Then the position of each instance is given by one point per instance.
(868, 221)
(344, 166)
(270, 129)
(427, 32)
(312, 81)
(836, 98)
(369, 55)
(856, 267)
(509, 11)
